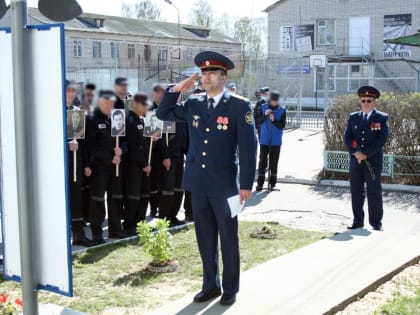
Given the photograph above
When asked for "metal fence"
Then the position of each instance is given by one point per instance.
(305, 119)
(393, 165)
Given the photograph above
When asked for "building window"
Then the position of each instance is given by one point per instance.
(115, 51)
(188, 53)
(320, 78)
(147, 53)
(97, 50)
(77, 48)
(131, 51)
(326, 32)
(163, 54)
(358, 76)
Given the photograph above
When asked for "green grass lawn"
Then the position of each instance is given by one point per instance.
(113, 280)
(403, 305)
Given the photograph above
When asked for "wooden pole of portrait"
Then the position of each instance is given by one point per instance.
(75, 166)
(117, 169)
(150, 151)
(167, 139)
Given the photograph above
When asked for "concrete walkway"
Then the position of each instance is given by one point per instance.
(318, 278)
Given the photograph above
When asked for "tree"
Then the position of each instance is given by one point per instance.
(201, 14)
(225, 24)
(142, 10)
(250, 32)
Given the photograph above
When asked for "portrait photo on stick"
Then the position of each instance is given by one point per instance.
(118, 123)
(76, 120)
(153, 126)
(169, 127)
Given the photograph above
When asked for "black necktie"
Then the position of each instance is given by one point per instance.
(211, 107)
(365, 117)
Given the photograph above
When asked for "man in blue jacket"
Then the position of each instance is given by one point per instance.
(272, 121)
(365, 137)
(219, 124)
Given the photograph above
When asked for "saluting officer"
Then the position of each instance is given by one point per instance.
(136, 168)
(264, 94)
(365, 137)
(104, 157)
(78, 234)
(219, 124)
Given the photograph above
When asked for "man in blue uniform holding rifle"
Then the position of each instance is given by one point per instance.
(365, 137)
(220, 124)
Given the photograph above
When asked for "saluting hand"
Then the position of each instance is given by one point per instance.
(186, 84)
(244, 195)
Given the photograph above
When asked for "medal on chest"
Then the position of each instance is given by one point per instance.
(195, 121)
(222, 123)
(375, 126)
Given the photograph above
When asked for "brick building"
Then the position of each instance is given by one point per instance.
(351, 34)
(100, 48)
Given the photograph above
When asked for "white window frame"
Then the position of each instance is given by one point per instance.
(318, 32)
(96, 49)
(334, 80)
(115, 50)
(77, 48)
(131, 51)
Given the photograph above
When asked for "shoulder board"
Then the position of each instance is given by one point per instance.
(354, 114)
(381, 113)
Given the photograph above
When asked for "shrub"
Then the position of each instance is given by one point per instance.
(157, 244)
(404, 124)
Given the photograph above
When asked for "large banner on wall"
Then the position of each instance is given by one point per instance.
(396, 26)
(297, 38)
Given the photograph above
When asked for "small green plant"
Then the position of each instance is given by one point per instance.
(157, 244)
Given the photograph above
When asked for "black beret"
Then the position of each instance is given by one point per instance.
(107, 94)
(141, 98)
(369, 91)
(90, 86)
(211, 60)
(121, 81)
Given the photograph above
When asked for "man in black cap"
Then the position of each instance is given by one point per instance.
(219, 125)
(272, 121)
(264, 94)
(104, 157)
(121, 90)
(136, 168)
(365, 137)
(76, 145)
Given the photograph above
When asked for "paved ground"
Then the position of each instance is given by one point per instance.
(315, 279)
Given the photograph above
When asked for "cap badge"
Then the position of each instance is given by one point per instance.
(207, 63)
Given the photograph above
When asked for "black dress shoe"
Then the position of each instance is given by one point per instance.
(204, 297)
(378, 228)
(98, 242)
(228, 299)
(189, 218)
(259, 188)
(83, 242)
(355, 226)
(118, 235)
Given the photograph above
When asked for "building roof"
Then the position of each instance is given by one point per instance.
(88, 22)
(275, 4)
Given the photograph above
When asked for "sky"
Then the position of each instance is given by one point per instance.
(235, 8)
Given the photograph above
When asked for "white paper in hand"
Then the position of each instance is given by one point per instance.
(235, 205)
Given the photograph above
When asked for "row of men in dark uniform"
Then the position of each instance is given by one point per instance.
(122, 170)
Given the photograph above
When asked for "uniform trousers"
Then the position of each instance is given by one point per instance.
(212, 218)
(76, 203)
(137, 196)
(359, 175)
(103, 180)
